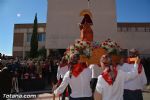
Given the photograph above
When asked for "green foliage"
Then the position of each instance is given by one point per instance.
(34, 40)
(42, 53)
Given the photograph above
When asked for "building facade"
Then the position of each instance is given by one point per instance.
(63, 18)
(62, 27)
(134, 35)
(22, 38)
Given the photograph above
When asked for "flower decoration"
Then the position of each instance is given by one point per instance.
(111, 47)
(96, 44)
(79, 47)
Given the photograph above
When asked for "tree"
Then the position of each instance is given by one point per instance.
(34, 40)
(42, 52)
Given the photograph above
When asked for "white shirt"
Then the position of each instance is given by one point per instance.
(96, 70)
(136, 83)
(80, 85)
(61, 71)
(115, 91)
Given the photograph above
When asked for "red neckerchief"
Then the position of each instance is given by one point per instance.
(99, 65)
(78, 68)
(63, 65)
(139, 66)
(107, 77)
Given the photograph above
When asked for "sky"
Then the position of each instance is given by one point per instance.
(23, 11)
(18, 11)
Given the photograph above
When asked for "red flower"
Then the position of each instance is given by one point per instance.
(84, 47)
(68, 49)
(81, 43)
(77, 49)
(108, 39)
(88, 43)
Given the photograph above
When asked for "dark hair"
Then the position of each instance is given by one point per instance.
(110, 68)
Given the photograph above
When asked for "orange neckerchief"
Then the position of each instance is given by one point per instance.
(107, 77)
(139, 66)
(78, 68)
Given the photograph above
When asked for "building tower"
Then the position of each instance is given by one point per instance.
(63, 18)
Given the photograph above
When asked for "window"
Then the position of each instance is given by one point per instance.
(41, 37)
(119, 29)
(124, 29)
(29, 37)
(147, 29)
(141, 29)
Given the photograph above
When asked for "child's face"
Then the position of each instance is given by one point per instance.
(105, 61)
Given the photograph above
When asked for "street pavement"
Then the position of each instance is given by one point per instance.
(48, 96)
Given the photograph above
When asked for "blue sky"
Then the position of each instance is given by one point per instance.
(23, 11)
(133, 10)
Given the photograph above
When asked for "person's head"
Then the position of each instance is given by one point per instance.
(123, 60)
(133, 53)
(105, 61)
(74, 58)
(63, 61)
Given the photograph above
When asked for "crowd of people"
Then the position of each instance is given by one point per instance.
(14, 70)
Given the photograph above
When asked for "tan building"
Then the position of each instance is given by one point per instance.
(63, 18)
(22, 38)
(134, 35)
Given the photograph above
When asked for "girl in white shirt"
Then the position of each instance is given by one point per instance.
(62, 69)
(78, 78)
(111, 82)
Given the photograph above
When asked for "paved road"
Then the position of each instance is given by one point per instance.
(47, 96)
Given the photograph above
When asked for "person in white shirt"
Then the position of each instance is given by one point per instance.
(133, 88)
(110, 83)
(62, 69)
(78, 78)
(96, 71)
